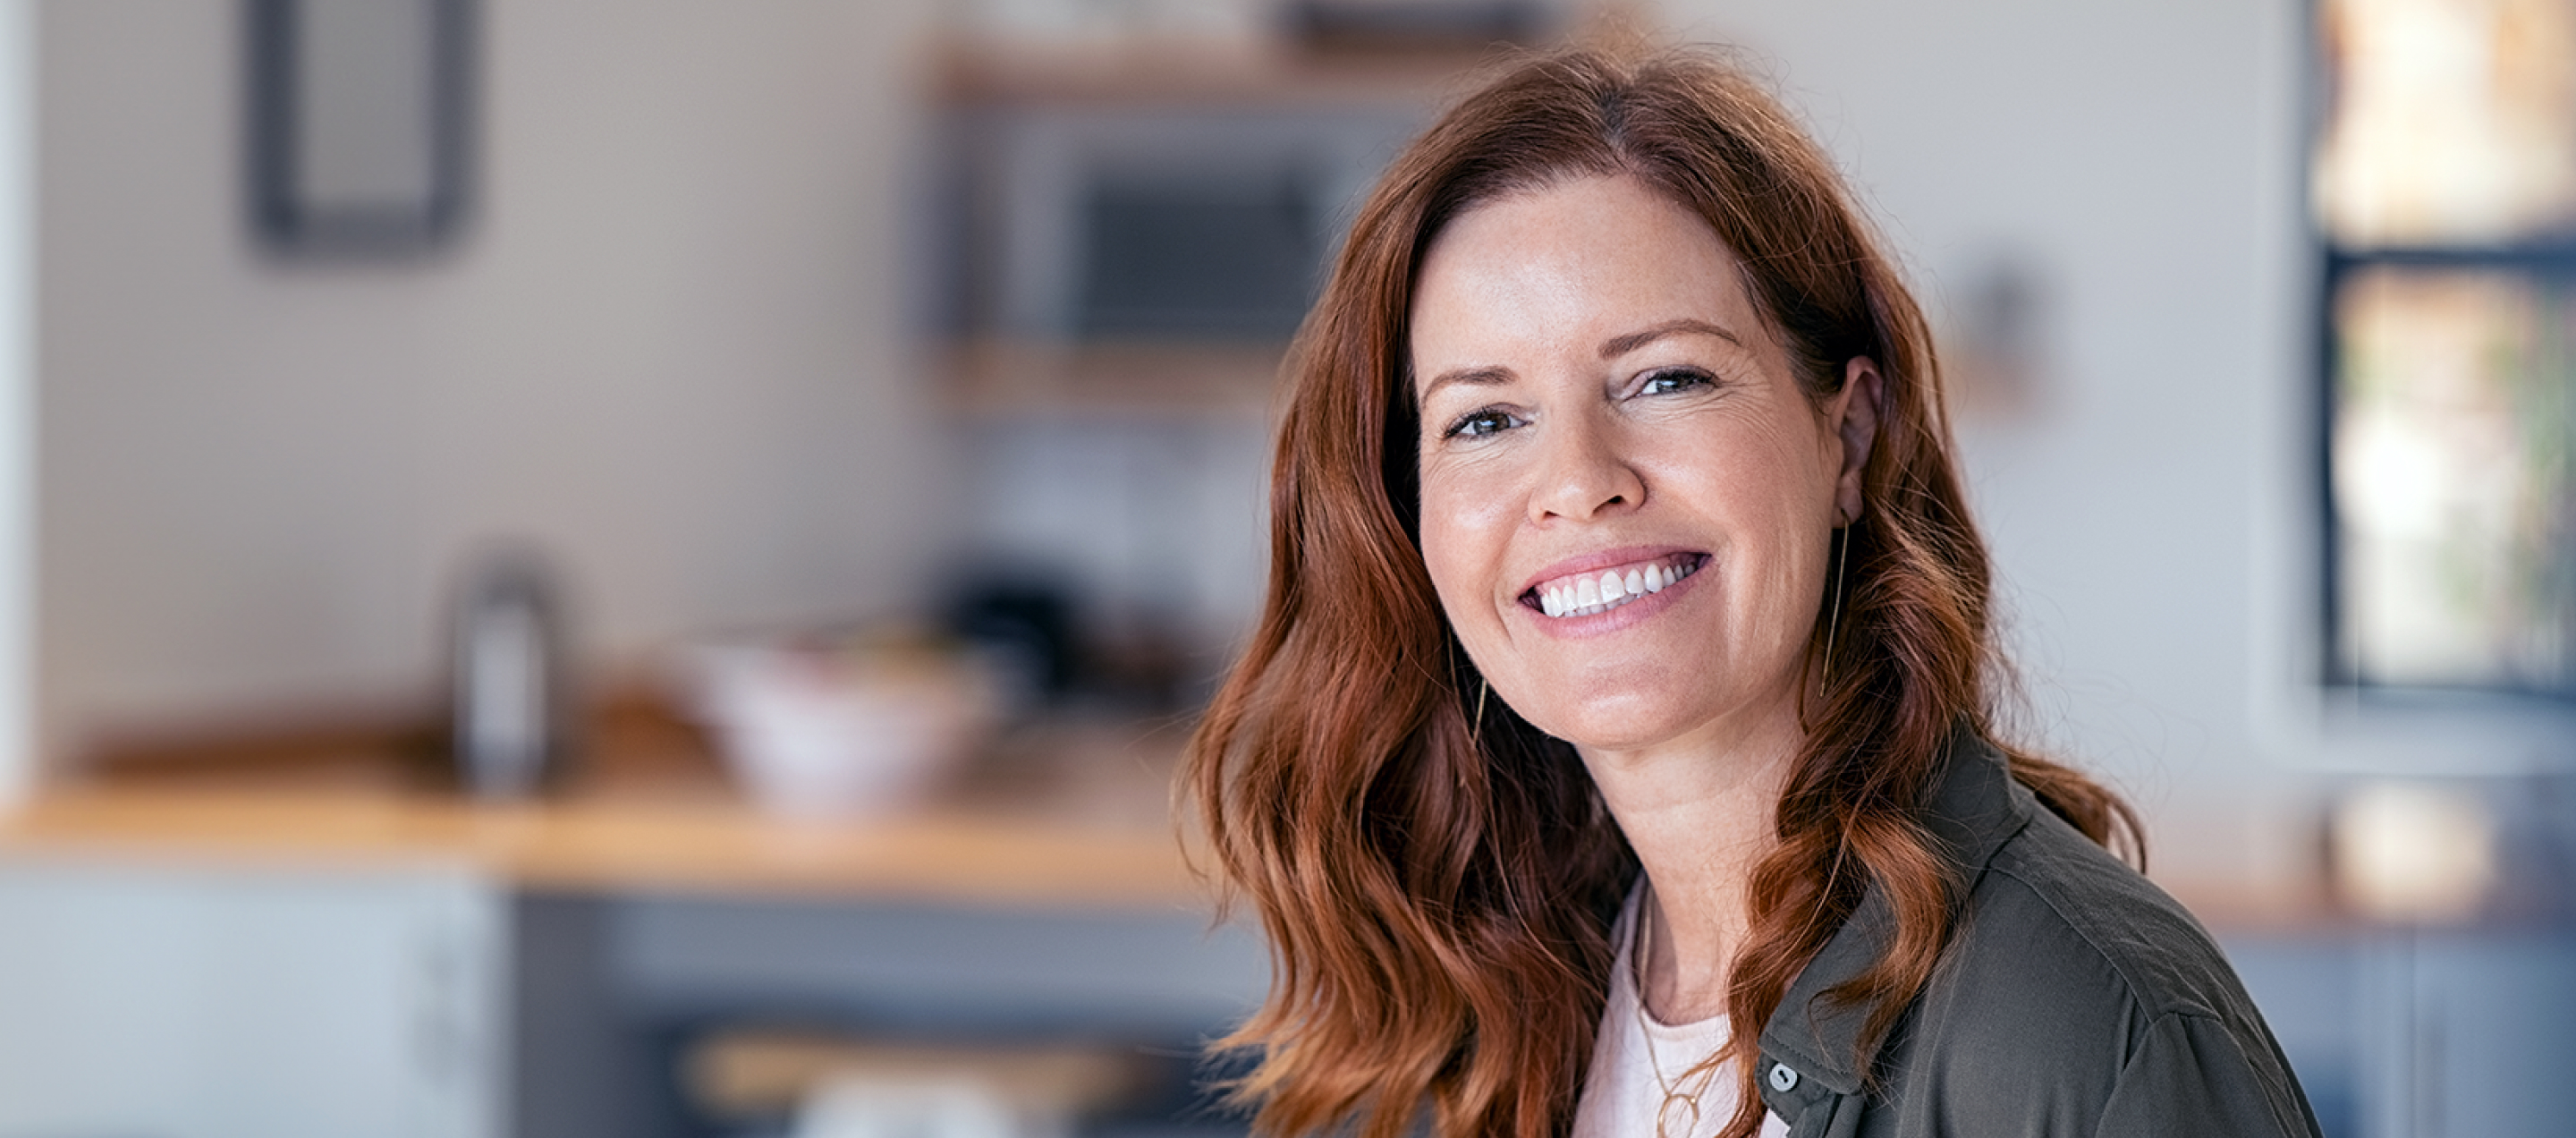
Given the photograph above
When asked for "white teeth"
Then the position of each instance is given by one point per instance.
(1584, 596)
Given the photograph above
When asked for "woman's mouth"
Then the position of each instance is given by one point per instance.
(1587, 593)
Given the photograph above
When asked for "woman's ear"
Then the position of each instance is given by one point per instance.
(1854, 416)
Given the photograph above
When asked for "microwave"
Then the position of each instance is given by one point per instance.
(1100, 221)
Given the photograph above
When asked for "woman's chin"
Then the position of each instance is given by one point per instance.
(1643, 722)
(1595, 729)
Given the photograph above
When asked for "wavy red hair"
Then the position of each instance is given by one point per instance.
(1438, 892)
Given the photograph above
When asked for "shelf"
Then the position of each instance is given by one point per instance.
(1003, 379)
(1200, 72)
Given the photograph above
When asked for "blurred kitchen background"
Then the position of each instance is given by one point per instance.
(584, 567)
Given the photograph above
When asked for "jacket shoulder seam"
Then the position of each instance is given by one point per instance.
(2165, 1004)
(2272, 1105)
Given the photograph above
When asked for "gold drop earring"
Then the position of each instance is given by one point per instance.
(1833, 622)
(1476, 726)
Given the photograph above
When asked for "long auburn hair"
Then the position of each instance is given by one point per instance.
(1437, 877)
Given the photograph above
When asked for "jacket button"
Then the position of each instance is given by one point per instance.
(1783, 1079)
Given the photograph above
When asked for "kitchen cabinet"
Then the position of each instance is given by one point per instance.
(267, 946)
(2399, 1033)
(2468, 1033)
(168, 1001)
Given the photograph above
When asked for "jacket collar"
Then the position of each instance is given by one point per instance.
(1974, 808)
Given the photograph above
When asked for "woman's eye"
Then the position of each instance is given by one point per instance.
(1671, 380)
(1478, 424)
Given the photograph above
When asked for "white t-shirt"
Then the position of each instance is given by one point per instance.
(1625, 1089)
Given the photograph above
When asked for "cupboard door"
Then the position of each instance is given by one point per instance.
(158, 1002)
(2479, 1045)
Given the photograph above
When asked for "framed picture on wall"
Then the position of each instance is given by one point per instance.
(358, 124)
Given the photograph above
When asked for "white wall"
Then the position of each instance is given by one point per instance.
(666, 347)
(17, 396)
(2150, 510)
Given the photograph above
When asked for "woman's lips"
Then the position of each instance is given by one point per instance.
(1592, 591)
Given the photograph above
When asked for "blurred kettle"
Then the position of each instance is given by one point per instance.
(511, 706)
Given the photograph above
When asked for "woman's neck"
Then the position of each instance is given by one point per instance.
(1700, 812)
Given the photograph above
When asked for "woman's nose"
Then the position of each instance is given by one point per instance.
(1583, 472)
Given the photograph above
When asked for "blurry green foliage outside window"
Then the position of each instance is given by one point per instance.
(2444, 190)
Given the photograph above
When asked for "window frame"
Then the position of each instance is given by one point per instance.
(2548, 263)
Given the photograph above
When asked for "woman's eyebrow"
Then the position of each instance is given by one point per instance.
(1617, 346)
(1487, 375)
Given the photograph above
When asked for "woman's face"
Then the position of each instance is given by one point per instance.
(1627, 499)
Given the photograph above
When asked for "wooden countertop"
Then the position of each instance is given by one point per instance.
(1073, 813)
(1059, 815)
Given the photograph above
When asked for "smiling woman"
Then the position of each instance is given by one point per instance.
(1592, 414)
(1625, 676)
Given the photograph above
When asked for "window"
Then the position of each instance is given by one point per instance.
(2444, 191)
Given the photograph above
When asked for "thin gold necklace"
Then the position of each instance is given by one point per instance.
(1644, 939)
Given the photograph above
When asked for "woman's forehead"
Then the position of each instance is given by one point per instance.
(1583, 261)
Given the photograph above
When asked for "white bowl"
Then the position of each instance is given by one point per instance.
(820, 733)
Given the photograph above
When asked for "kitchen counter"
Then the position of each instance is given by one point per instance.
(1067, 814)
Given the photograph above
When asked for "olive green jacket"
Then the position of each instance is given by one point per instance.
(2075, 998)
